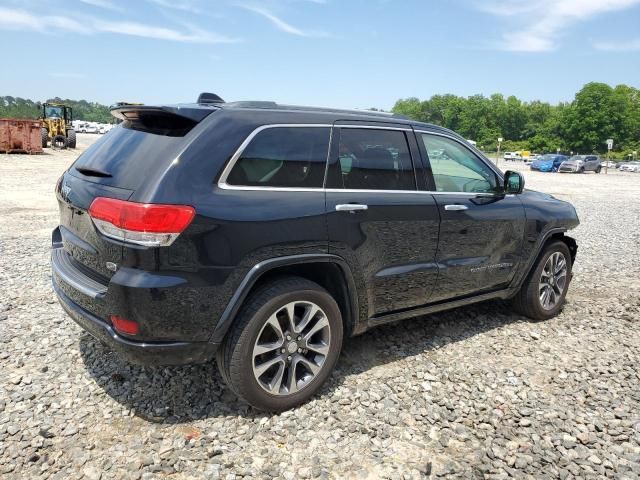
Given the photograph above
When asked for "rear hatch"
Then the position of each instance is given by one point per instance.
(117, 164)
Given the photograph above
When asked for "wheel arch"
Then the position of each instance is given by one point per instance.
(550, 236)
(329, 271)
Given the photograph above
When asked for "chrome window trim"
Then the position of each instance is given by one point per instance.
(373, 127)
(354, 190)
(222, 183)
(493, 167)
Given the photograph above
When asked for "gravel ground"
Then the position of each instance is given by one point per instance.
(472, 393)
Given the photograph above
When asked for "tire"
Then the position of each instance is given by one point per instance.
(45, 137)
(59, 141)
(253, 330)
(71, 138)
(528, 300)
(581, 170)
(598, 169)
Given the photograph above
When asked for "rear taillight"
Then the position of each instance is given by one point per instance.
(149, 224)
(122, 325)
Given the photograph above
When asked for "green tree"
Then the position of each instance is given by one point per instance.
(598, 112)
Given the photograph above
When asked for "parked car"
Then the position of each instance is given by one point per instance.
(282, 230)
(91, 128)
(512, 156)
(581, 164)
(81, 128)
(630, 167)
(608, 164)
(548, 163)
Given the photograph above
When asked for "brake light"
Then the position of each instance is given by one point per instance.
(123, 325)
(146, 224)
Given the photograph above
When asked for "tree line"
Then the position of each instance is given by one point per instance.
(16, 107)
(598, 112)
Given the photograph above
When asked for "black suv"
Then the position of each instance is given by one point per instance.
(263, 234)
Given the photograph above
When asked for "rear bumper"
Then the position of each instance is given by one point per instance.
(87, 302)
(141, 353)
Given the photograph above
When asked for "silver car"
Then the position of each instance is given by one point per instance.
(581, 164)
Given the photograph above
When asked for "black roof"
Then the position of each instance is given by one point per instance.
(324, 112)
(197, 111)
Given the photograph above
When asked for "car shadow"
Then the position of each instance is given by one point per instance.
(186, 393)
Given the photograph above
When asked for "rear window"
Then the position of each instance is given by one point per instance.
(124, 157)
(293, 157)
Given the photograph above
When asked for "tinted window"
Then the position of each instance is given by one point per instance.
(128, 156)
(455, 168)
(283, 157)
(372, 160)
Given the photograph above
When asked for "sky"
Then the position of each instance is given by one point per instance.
(336, 53)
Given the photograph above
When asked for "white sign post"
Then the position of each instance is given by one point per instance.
(498, 154)
(609, 148)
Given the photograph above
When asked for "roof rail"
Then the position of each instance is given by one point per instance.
(253, 104)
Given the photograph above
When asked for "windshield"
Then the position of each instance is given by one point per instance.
(576, 158)
(546, 158)
(50, 112)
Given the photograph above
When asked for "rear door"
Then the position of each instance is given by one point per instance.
(481, 230)
(377, 218)
(592, 163)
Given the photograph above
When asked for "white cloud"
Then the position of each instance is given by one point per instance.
(11, 19)
(177, 5)
(160, 33)
(544, 21)
(631, 45)
(102, 4)
(23, 20)
(281, 24)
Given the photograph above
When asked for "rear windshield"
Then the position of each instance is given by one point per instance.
(124, 157)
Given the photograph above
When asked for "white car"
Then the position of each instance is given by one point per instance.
(90, 128)
(609, 164)
(630, 167)
(512, 156)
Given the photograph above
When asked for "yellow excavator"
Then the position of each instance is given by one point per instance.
(57, 127)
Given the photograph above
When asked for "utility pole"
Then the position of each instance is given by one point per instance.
(609, 148)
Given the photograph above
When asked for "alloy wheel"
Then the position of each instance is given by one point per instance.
(553, 280)
(291, 348)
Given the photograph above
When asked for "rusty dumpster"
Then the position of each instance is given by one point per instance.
(20, 135)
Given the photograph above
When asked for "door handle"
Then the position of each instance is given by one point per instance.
(351, 207)
(455, 208)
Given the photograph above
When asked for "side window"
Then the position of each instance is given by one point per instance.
(372, 159)
(283, 157)
(457, 169)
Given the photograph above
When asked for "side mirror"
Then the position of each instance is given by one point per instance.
(513, 182)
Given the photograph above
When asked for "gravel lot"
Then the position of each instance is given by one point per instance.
(476, 392)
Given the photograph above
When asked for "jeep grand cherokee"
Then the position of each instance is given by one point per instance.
(263, 234)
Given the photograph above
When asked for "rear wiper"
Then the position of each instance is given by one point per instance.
(93, 172)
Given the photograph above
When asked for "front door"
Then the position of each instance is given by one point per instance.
(378, 221)
(481, 230)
